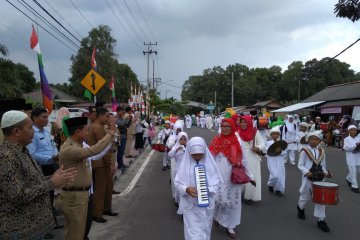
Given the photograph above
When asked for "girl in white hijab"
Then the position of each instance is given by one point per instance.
(289, 134)
(177, 153)
(197, 220)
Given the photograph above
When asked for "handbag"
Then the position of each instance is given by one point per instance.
(238, 174)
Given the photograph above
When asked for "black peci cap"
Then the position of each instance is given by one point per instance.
(76, 122)
(12, 104)
(28, 107)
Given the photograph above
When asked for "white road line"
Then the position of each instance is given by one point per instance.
(137, 176)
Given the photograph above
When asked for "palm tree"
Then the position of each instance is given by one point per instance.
(3, 50)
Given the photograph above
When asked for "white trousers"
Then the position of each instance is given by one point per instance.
(352, 176)
(291, 155)
(305, 196)
(277, 174)
(165, 159)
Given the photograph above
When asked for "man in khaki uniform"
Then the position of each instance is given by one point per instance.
(130, 133)
(103, 170)
(74, 198)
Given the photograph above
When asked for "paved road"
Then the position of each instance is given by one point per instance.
(148, 212)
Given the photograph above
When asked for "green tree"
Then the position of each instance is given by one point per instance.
(107, 65)
(348, 9)
(15, 79)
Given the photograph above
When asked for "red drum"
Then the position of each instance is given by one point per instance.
(324, 127)
(160, 147)
(325, 193)
(263, 123)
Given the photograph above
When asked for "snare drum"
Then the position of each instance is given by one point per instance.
(160, 147)
(263, 123)
(326, 193)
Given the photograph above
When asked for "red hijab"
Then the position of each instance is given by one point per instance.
(249, 133)
(235, 117)
(227, 145)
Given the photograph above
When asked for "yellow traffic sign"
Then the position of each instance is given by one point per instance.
(93, 81)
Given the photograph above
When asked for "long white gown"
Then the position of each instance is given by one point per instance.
(254, 160)
(197, 220)
(228, 201)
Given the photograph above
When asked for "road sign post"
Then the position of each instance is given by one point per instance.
(93, 81)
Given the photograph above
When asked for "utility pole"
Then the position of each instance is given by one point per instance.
(232, 89)
(215, 104)
(299, 91)
(149, 52)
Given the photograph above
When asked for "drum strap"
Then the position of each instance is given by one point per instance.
(313, 158)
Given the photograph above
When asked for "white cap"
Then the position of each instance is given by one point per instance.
(304, 124)
(317, 133)
(351, 127)
(167, 121)
(10, 118)
(275, 129)
(195, 149)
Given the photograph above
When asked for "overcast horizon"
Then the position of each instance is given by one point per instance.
(191, 35)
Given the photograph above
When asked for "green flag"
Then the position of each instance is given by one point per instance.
(88, 95)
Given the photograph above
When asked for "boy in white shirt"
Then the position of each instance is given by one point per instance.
(352, 159)
(313, 168)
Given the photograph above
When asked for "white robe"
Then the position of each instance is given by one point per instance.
(352, 159)
(299, 136)
(277, 169)
(228, 201)
(251, 192)
(197, 220)
(304, 165)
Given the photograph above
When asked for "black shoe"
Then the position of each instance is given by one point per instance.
(168, 167)
(115, 192)
(271, 189)
(176, 204)
(110, 213)
(164, 168)
(279, 194)
(249, 202)
(323, 226)
(355, 190)
(301, 213)
(48, 236)
(348, 182)
(99, 220)
(58, 226)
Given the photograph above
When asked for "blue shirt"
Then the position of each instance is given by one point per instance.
(42, 148)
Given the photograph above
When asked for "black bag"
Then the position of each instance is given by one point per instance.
(317, 173)
(166, 137)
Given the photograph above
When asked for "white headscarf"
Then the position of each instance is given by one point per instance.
(63, 112)
(178, 124)
(179, 136)
(185, 174)
(351, 127)
(290, 125)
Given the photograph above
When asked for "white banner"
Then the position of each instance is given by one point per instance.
(356, 113)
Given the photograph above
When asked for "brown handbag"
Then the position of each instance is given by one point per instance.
(238, 174)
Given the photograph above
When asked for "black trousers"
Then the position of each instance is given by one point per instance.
(89, 217)
(49, 170)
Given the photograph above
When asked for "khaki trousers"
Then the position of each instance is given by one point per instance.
(129, 142)
(103, 186)
(74, 207)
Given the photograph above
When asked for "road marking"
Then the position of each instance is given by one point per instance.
(133, 182)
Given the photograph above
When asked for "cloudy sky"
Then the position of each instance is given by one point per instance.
(192, 35)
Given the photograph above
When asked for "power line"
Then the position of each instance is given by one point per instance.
(40, 26)
(39, 5)
(145, 20)
(118, 19)
(142, 32)
(44, 20)
(136, 33)
(83, 16)
(344, 50)
(63, 19)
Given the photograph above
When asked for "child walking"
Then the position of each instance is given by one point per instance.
(198, 219)
(313, 168)
(352, 159)
(276, 165)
